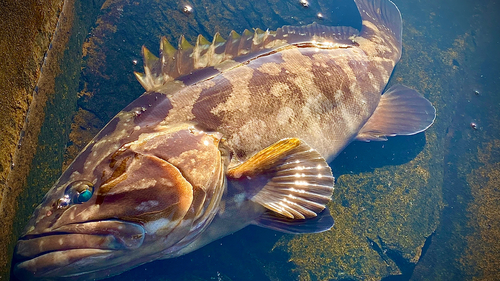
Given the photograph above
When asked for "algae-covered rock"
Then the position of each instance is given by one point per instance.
(26, 28)
(481, 257)
(382, 221)
(385, 216)
(39, 65)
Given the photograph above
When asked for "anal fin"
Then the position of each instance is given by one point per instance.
(289, 178)
(401, 111)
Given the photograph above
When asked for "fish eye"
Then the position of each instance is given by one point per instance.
(79, 191)
(84, 196)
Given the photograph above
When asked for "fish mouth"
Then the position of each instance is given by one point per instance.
(75, 249)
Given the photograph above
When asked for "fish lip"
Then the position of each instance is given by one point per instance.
(109, 236)
(25, 271)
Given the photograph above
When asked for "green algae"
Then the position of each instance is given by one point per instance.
(84, 127)
(395, 207)
(47, 126)
(452, 255)
(25, 29)
(481, 258)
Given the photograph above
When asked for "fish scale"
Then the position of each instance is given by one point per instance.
(229, 133)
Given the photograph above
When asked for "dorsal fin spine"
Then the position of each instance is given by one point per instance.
(184, 62)
(152, 69)
(141, 77)
(222, 54)
(167, 54)
(259, 37)
(245, 42)
(201, 52)
(231, 44)
(216, 58)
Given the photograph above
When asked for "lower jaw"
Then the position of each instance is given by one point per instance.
(59, 264)
(103, 264)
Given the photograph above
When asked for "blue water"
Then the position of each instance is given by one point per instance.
(448, 54)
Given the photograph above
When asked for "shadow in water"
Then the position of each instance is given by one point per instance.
(361, 157)
(245, 255)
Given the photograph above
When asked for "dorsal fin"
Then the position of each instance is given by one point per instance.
(222, 54)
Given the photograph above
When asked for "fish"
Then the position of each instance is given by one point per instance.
(228, 133)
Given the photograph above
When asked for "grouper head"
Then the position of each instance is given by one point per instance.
(124, 203)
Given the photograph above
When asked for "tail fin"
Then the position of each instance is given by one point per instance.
(381, 21)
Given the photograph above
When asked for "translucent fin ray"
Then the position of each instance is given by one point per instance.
(222, 54)
(289, 177)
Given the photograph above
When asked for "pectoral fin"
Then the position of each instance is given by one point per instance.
(322, 222)
(401, 111)
(289, 178)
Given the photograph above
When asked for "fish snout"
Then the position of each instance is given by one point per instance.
(47, 254)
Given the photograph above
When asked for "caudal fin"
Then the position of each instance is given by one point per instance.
(383, 14)
(381, 25)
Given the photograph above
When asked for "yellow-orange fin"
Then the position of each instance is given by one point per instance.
(289, 178)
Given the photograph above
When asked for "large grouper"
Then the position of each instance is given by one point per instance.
(229, 133)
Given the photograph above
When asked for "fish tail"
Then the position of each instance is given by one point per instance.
(381, 24)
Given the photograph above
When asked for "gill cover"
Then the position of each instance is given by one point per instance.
(167, 184)
(170, 174)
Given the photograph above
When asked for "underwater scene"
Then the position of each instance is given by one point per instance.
(399, 186)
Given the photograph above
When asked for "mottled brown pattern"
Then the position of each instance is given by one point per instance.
(286, 86)
(253, 108)
(208, 99)
(161, 154)
(118, 175)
